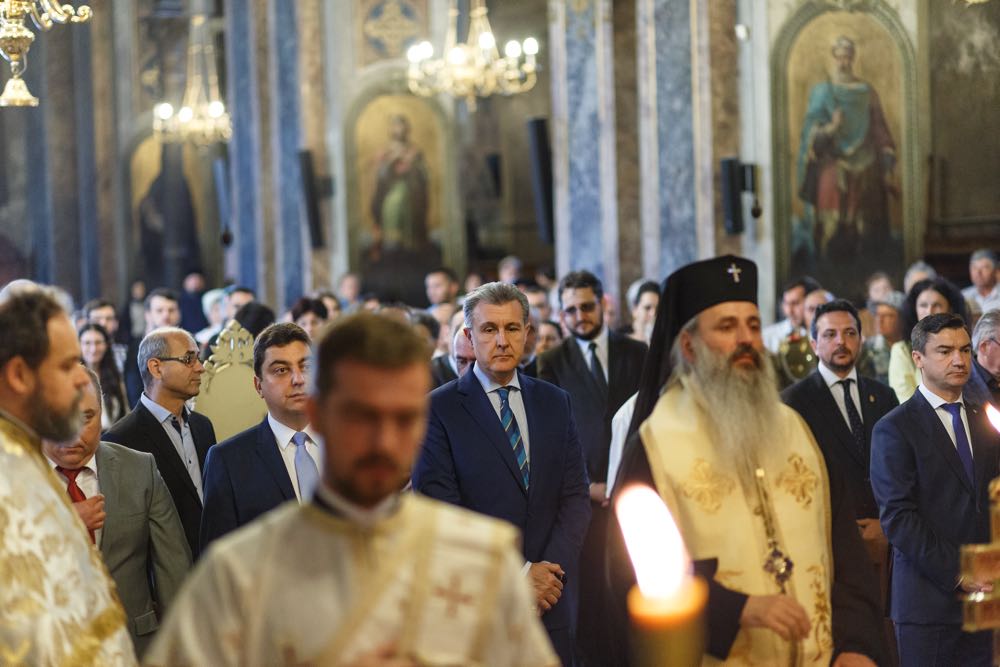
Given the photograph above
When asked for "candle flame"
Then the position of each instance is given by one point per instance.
(994, 416)
(654, 543)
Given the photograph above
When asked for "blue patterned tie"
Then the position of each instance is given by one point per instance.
(305, 468)
(961, 439)
(513, 433)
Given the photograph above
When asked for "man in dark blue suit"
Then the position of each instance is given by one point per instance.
(932, 460)
(984, 380)
(275, 461)
(503, 444)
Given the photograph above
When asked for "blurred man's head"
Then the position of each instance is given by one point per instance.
(986, 342)
(538, 301)
(441, 285)
(102, 311)
(509, 269)
(162, 309)
(983, 270)
(463, 354)
(369, 403)
(310, 314)
(236, 298)
(814, 300)
(41, 377)
(793, 300)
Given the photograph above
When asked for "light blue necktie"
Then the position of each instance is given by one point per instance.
(305, 468)
(513, 433)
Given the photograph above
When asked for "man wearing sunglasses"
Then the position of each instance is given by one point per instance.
(162, 425)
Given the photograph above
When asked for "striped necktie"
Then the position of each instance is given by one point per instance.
(513, 433)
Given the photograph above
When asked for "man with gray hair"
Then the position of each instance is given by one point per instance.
(984, 292)
(162, 425)
(496, 433)
(984, 380)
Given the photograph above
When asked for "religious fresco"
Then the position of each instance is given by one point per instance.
(842, 141)
(387, 28)
(397, 201)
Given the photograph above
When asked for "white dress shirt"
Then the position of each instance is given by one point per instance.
(88, 482)
(183, 442)
(514, 399)
(837, 390)
(984, 303)
(602, 349)
(283, 436)
(945, 416)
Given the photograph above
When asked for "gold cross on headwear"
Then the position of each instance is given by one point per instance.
(735, 272)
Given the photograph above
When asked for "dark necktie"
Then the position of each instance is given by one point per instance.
(961, 439)
(596, 369)
(857, 426)
(513, 433)
(76, 494)
(176, 423)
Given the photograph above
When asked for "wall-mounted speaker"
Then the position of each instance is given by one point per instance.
(541, 177)
(310, 197)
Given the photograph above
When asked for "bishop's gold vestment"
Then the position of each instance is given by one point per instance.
(301, 586)
(57, 602)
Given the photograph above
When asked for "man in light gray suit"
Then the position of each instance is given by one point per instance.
(129, 514)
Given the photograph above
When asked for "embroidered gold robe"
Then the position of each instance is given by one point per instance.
(304, 587)
(57, 602)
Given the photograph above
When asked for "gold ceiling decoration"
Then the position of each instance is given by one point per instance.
(16, 39)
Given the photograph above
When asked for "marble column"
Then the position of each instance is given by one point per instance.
(666, 136)
(86, 162)
(583, 111)
(243, 103)
(286, 133)
(38, 189)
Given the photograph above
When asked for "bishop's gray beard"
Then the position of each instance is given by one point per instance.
(741, 405)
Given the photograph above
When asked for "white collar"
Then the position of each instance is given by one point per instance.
(160, 412)
(283, 434)
(601, 339)
(90, 465)
(355, 513)
(489, 385)
(935, 400)
(831, 378)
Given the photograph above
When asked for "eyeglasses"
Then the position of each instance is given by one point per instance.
(588, 307)
(188, 359)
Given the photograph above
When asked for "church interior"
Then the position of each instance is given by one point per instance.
(249, 141)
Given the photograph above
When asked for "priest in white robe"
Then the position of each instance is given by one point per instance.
(363, 574)
(766, 522)
(57, 602)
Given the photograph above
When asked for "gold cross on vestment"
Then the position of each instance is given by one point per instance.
(735, 272)
(453, 596)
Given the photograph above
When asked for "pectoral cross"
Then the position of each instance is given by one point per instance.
(981, 562)
(453, 596)
(735, 272)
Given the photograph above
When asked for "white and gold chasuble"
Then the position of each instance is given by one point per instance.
(303, 587)
(719, 518)
(57, 602)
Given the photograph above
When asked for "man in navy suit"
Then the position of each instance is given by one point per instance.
(504, 444)
(932, 460)
(277, 460)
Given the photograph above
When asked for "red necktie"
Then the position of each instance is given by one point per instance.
(76, 494)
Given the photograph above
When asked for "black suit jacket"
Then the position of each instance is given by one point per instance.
(133, 379)
(566, 367)
(441, 371)
(812, 399)
(140, 431)
(245, 477)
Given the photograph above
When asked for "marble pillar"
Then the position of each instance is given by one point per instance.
(243, 102)
(666, 136)
(38, 186)
(583, 112)
(286, 133)
(86, 162)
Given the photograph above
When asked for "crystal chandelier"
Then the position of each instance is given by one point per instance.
(202, 118)
(16, 39)
(473, 68)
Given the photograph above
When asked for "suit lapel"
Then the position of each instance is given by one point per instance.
(869, 405)
(929, 423)
(536, 461)
(478, 405)
(267, 450)
(161, 446)
(107, 473)
(827, 407)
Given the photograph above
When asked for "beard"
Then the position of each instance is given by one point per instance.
(49, 423)
(741, 403)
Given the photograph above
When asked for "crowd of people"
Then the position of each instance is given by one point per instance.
(435, 484)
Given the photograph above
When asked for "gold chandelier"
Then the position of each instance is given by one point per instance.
(473, 68)
(202, 117)
(16, 39)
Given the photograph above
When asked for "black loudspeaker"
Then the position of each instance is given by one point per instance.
(541, 177)
(220, 174)
(310, 197)
(736, 179)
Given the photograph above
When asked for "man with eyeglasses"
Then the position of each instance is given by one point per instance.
(600, 370)
(984, 380)
(162, 425)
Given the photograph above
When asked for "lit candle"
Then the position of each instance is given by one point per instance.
(667, 606)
